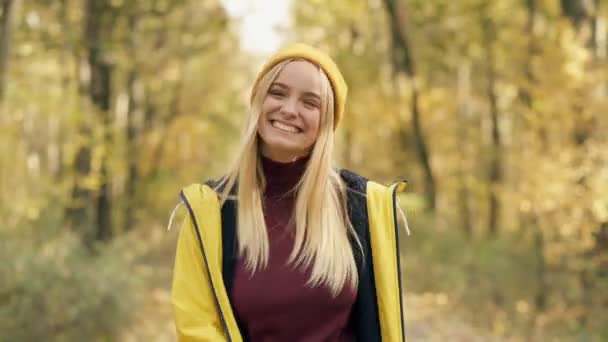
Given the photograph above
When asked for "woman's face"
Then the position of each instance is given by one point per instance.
(291, 111)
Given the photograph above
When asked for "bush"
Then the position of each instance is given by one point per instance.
(60, 291)
(493, 283)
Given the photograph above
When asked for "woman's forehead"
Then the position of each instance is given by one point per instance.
(300, 75)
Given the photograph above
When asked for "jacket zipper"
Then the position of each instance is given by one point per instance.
(200, 242)
(398, 263)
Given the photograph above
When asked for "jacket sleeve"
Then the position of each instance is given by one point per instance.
(194, 307)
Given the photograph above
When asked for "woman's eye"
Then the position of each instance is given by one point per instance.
(276, 93)
(311, 104)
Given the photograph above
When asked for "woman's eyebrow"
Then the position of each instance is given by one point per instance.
(311, 94)
(306, 93)
(279, 84)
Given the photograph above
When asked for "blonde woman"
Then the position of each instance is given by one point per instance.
(285, 247)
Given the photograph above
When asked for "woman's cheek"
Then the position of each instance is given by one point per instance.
(270, 103)
(266, 105)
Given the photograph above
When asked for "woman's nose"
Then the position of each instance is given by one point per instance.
(289, 106)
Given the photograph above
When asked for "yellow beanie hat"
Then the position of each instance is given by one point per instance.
(319, 58)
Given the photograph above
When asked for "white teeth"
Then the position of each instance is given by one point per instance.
(284, 127)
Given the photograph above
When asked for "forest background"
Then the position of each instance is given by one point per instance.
(491, 109)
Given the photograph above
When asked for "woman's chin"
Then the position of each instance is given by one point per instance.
(282, 153)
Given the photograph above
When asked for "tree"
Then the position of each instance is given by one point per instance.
(495, 165)
(7, 15)
(403, 62)
(97, 88)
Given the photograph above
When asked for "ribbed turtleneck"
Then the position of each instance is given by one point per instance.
(282, 178)
(276, 303)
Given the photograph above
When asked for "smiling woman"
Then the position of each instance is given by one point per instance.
(285, 247)
(291, 111)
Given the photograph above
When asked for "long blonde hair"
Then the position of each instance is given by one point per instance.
(323, 229)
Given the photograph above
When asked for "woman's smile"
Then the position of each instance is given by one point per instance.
(285, 127)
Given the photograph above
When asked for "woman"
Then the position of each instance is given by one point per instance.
(315, 255)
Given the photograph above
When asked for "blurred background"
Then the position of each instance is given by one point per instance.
(491, 109)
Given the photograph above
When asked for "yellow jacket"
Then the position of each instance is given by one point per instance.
(199, 296)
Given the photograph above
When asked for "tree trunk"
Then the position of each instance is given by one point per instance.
(598, 32)
(578, 11)
(403, 63)
(581, 14)
(166, 122)
(132, 153)
(6, 25)
(347, 127)
(99, 93)
(66, 53)
(540, 299)
(585, 16)
(134, 118)
(79, 211)
(348, 146)
(464, 84)
(495, 165)
(587, 20)
(529, 219)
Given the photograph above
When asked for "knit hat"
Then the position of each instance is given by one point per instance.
(319, 58)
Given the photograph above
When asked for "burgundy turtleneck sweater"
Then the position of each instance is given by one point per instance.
(275, 303)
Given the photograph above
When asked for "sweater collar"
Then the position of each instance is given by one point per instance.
(282, 177)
